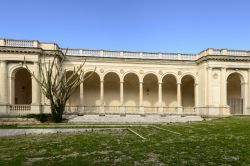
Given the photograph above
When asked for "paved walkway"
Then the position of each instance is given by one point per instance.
(13, 132)
(132, 119)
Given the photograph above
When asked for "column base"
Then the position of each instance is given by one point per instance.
(179, 110)
(141, 111)
(101, 111)
(80, 110)
(4, 109)
(35, 109)
(247, 112)
(122, 111)
(160, 110)
(214, 111)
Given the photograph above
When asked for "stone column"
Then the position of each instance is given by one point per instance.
(223, 87)
(141, 98)
(3, 82)
(35, 86)
(121, 93)
(196, 98)
(122, 109)
(102, 98)
(244, 94)
(81, 106)
(3, 87)
(36, 90)
(248, 108)
(160, 97)
(209, 94)
(179, 103)
(224, 108)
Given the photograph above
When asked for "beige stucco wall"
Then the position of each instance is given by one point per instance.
(205, 89)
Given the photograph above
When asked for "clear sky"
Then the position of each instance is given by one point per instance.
(187, 26)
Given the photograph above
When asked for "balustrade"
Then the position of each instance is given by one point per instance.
(20, 108)
(128, 54)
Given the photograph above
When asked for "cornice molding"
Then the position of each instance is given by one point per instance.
(223, 58)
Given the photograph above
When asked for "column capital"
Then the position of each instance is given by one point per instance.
(141, 82)
(121, 82)
(178, 83)
(243, 83)
(209, 68)
(196, 84)
(160, 82)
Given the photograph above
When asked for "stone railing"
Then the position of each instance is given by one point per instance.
(20, 108)
(123, 54)
(227, 52)
(129, 54)
(189, 110)
(169, 110)
(71, 109)
(18, 43)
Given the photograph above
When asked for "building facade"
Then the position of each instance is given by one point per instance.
(214, 82)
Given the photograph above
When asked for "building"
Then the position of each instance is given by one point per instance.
(214, 82)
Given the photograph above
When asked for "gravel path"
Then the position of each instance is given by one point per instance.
(13, 132)
(133, 119)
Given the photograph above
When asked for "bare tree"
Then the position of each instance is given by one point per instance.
(55, 84)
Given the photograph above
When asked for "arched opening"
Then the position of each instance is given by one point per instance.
(23, 87)
(131, 90)
(150, 92)
(74, 99)
(187, 91)
(169, 91)
(111, 89)
(235, 93)
(91, 95)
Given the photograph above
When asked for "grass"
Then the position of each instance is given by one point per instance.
(217, 142)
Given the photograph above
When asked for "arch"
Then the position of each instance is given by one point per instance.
(130, 72)
(187, 90)
(235, 92)
(242, 76)
(91, 88)
(150, 90)
(150, 73)
(169, 73)
(22, 86)
(131, 89)
(189, 74)
(169, 90)
(74, 99)
(111, 71)
(111, 89)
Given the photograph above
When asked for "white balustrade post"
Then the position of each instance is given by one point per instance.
(3, 87)
(2, 43)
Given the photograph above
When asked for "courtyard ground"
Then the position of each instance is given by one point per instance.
(216, 142)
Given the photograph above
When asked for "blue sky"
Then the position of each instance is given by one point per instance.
(149, 25)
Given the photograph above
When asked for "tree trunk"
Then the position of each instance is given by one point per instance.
(57, 112)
